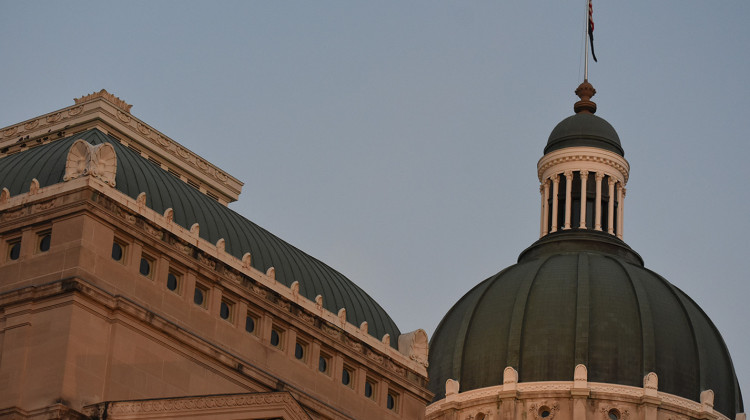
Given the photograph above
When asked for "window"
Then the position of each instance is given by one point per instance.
(44, 241)
(391, 401)
(347, 376)
(118, 251)
(276, 337)
(250, 323)
(300, 351)
(14, 249)
(173, 281)
(200, 296)
(613, 414)
(226, 310)
(544, 411)
(146, 267)
(370, 387)
(324, 362)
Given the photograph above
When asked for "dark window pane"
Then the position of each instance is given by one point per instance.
(171, 282)
(224, 310)
(15, 251)
(45, 242)
(145, 268)
(198, 297)
(299, 351)
(275, 338)
(322, 364)
(116, 251)
(368, 389)
(391, 402)
(346, 377)
(249, 324)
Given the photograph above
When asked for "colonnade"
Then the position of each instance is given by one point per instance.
(552, 195)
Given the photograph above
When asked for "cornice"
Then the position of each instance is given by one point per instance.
(585, 156)
(280, 403)
(110, 114)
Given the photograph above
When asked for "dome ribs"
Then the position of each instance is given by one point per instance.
(583, 311)
(515, 334)
(648, 344)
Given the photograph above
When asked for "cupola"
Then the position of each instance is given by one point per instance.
(583, 173)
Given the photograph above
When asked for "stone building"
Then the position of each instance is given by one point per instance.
(128, 289)
(579, 328)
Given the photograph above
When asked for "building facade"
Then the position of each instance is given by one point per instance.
(128, 289)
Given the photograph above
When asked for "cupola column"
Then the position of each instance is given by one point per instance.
(555, 190)
(568, 198)
(584, 178)
(611, 206)
(598, 203)
(620, 208)
(544, 189)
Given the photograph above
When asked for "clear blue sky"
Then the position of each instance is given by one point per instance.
(398, 141)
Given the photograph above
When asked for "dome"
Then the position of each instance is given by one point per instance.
(584, 129)
(135, 174)
(582, 298)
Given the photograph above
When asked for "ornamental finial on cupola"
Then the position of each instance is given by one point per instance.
(585, 91)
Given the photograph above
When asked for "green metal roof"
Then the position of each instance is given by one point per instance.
(135, 174)
(584, 129)
(582, 298)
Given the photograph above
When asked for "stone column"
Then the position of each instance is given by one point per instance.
(568, 198)
(555, 190)
(584, 178)
(611, 207)
(544, 189)
(620, 209)
(598, 204)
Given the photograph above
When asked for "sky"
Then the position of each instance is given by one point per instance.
(398, 141)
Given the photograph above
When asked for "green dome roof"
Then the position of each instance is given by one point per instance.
(582, 298)
(584, 129)
(136, 174)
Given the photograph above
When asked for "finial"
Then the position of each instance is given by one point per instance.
(585, 91)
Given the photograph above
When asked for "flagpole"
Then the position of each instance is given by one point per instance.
(586, 44)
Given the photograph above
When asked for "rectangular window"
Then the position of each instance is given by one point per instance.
(392, 400)
(13, 247)
(347, 376)
(174, 281)
(146, 266)
(118, 251)
(300, 350)
(371, 388)
(226, 310)
(251, 323)
(277, 337)
(200, 295)
(43, 241)
(324, 364)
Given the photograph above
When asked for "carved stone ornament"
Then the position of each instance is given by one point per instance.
(651, 381)
(451, 387)
(607, 409)
(537, 409)
(295, 288)
(510, 375)
(4, 196)
(34, 187)
(319, 301)
(342, 315)
(363, 327)
(415, 346)
(195, 229)
(105, 95)
(246, 259)
(141, 200)
(85, 159)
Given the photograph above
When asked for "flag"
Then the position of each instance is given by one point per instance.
(591, 30)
